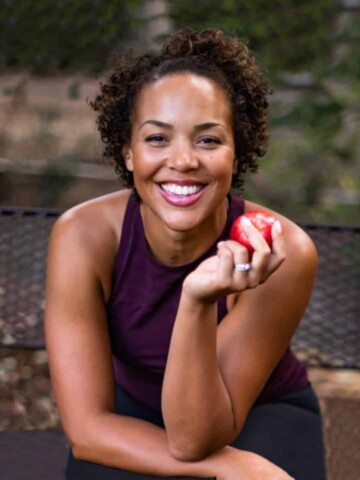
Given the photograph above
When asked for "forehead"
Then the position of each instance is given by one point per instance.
(183, 94)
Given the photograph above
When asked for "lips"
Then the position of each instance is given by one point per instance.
(181, 193)
(181, 190)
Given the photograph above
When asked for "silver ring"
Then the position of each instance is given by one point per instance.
(242, 267)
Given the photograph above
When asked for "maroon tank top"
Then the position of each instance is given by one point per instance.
(142, 310)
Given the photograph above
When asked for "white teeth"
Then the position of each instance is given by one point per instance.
(181, 190)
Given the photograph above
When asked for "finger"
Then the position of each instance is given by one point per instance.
(278, 250)
(239, 252)
(243, 277)
(260, 266)
(261, 256)
(239, 270)
(254, 236)
(278, 242)
(232, 254)
(225, 266)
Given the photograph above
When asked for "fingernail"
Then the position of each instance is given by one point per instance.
(219, 244)
(245, 221)
(277, 226)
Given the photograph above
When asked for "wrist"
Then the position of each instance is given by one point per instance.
(197, 306)
(194, 292)
(218, 464)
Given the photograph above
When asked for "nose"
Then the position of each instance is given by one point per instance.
(183, 157)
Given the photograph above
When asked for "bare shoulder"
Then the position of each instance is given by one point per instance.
(95, 220)
(300, 249)
(87, 236)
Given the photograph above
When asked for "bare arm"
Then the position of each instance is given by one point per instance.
(214, 374)
(80, 361)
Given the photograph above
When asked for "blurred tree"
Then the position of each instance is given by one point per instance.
(46, 36)
(286, 34)
(313, 160)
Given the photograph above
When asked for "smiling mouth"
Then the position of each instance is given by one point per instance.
(181, 190)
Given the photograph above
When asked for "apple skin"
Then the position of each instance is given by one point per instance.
(261, 220)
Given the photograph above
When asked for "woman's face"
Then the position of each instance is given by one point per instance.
(182, 150)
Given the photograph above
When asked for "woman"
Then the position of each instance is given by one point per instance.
(166, 360)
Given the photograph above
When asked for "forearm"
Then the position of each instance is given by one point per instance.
(196, 405)
(138, 446)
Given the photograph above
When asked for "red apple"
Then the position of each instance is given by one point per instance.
(261, 220)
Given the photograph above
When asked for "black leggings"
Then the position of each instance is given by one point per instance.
(287, 431)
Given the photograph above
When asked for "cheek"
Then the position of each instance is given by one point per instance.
(144, 167)
(223, 165)
(142, 162)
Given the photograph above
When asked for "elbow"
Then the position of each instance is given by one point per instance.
(78, 445)
(77, 452)
(81, 442)
(196, 447)
(187, 444)
(188, 453)
(84, 450)
(85, 437)
(192, 449)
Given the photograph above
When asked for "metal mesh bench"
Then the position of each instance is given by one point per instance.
(328, 337)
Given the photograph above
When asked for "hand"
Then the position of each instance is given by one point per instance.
(242, 465)
(216, 277)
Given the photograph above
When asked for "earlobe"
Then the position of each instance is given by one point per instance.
(128, 160)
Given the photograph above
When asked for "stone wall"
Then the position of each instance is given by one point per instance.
(26, 399)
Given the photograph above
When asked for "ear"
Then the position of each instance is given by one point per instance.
(127, 154)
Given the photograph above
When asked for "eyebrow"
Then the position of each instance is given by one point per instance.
(157, 123)
(168, 126)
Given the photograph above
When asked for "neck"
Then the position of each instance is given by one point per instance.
(175, 248)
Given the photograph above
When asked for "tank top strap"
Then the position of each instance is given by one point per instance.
(129, 236)
(236, 208)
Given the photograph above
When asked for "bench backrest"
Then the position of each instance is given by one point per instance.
(329, 334)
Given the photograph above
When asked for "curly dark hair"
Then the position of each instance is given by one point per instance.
(209, 53)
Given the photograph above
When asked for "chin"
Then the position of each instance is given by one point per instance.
(182, 223)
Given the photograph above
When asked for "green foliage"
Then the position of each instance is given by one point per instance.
(46, 36)
(286, 34)
(312, 169)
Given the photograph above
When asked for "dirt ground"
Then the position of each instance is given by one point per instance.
(26, 399)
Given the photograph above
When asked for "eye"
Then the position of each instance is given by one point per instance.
(156, 139)
(209, 141)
